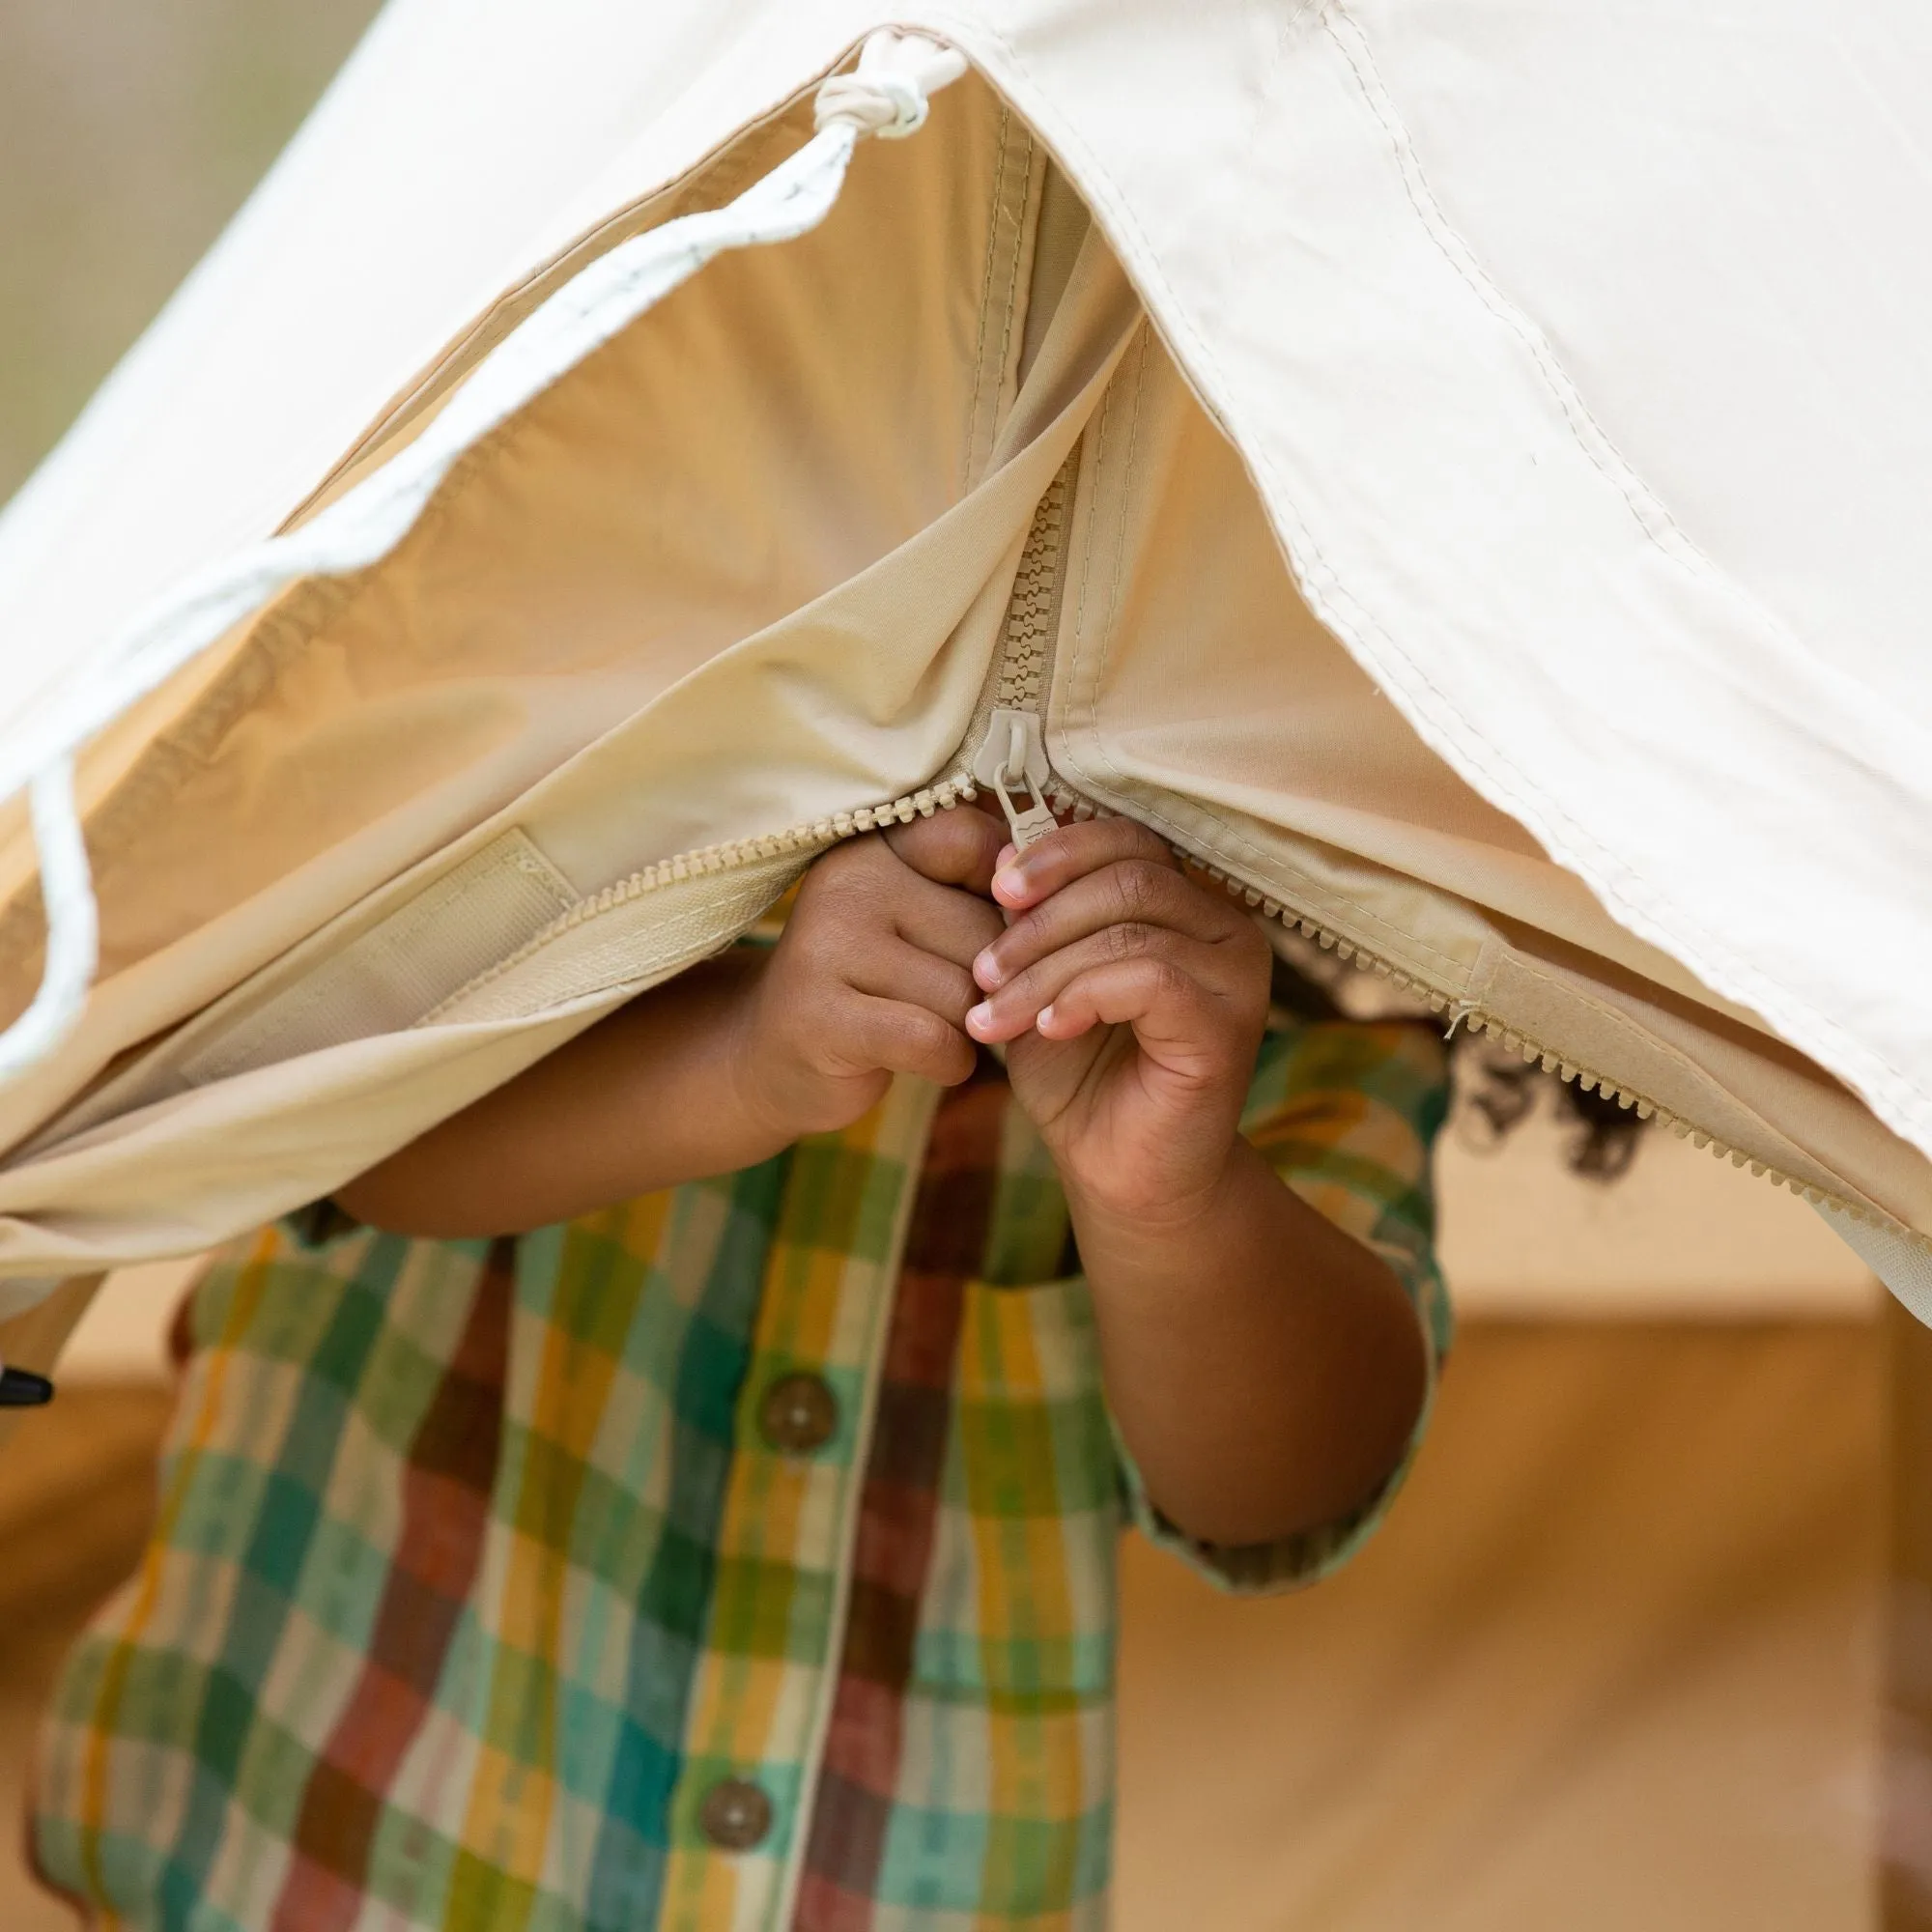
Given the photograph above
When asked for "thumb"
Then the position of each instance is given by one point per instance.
(956, 848)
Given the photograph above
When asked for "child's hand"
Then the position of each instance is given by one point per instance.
(1134, 998)
(871, 975)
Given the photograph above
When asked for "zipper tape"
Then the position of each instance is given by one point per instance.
(763, 868)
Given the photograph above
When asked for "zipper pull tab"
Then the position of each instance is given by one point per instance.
(1031, 824)
(1013, 757)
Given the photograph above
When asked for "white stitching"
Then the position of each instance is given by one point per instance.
(1602, 453)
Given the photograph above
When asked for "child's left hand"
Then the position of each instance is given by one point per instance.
(1133, 997)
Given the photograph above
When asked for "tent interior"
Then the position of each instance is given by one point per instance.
(794, 553)
(758, 573)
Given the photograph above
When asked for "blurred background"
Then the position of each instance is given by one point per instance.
(1621, 1657)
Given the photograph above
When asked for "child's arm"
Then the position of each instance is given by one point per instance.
(1265, 1370)
(730, 1062)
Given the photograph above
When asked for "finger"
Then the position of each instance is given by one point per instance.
(862, 894)
(1072, 852)
(1131, 891)
(945, 920)
(903, 1038)
(1176, 1023)
(906, 974)
(1016, 1006)
(951, 848)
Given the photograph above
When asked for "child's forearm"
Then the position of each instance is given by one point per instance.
(732, 1060)
(646, 1099)
(1265, 1370)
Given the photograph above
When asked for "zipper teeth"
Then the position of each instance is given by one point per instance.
(1026, 650)
(961, 789)
(1477, 1019)
(1026, 643)
(725, 857)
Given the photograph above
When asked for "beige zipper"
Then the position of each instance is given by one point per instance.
(1009, 732)
(1478, 1019)
(1009, 759)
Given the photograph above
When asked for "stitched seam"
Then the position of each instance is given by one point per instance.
(985, 304)
(1014, 278)
(1630, 1028)
(115, 826)
(1119, 570)
(714, 179)
(1298, 14)
(169, 762)
(968, 460)
(1218, 835)
(1105, 633)
(1528, 802)
(1590, 436)
(1093, 516)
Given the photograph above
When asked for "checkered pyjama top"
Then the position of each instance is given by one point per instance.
(485, 1594)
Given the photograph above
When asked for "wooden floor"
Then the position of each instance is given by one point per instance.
(1613, 1665)
(75, 1494)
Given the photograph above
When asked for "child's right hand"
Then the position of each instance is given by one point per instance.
(871, 975)
(731, 1061)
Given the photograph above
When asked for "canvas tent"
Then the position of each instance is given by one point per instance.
(1453, 472)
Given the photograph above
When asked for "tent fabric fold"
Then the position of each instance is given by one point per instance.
(1373, 572)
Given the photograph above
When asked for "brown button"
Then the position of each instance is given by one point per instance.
(735, 1814)
(799, 1414)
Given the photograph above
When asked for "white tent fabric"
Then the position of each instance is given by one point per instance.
(1571, 357)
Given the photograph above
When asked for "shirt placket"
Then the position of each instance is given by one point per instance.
(763, 1688)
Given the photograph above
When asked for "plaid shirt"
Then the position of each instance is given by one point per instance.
(485, 1594)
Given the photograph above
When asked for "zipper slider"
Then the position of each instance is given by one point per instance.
(1013, 755)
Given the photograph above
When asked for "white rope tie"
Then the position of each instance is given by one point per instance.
(74, 923)
(886, 95)
(890, 105)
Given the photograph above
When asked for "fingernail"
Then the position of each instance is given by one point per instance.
(1045, 1014)
(978, 1019)
(1009, 883)
(986, 971)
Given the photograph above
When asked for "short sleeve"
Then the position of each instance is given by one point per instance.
(1346, 1113)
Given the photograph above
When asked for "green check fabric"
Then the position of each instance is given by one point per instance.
(484, 1596)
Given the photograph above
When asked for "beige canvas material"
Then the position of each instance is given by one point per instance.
(746, 572)
(740, 749)
(618, 561)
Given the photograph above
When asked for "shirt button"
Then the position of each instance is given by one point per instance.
(799, 1414)
(735, 1815)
